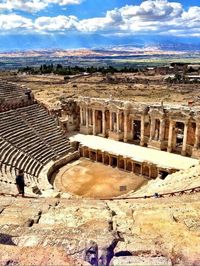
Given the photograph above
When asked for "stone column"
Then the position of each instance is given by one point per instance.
(162, 130)
(83, 151)
(89, 154)
(197, 133)
(142, 130)
(125, 127)
(133, 167)
(81, 116)
(87, 117)
(152, 128)
(125, 163)
(103, 123)
(109, 160)
(91, 117)
(103, 157)
(94, 121)
(117, 121)
(150, 170)
(111, 121)
(170, 138)
(184, 147)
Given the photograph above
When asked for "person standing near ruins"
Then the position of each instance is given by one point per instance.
(20, 182)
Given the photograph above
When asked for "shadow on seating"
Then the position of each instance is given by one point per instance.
(6, 240)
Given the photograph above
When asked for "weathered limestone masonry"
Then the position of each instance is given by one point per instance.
(29, 140)
(147, 169)
(169, 128)
(130, 157)
(13, 96)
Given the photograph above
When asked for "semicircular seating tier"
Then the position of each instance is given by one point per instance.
(29, 139)
(10, 90)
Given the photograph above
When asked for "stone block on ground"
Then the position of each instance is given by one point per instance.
(140, 261)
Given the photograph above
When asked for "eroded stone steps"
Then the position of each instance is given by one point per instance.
(29, 138)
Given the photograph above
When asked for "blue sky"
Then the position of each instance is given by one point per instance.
(40, 24)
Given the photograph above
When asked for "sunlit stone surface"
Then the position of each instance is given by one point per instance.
(91, 179)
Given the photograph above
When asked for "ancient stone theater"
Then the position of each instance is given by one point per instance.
(107, 182)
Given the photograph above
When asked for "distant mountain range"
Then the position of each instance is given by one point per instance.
(140, 53)
(96, 43)
(110, 52)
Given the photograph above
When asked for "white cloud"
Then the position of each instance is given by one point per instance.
(59, 23)
(111, 21)
(33, 5)
(65, 2)
(151, 16)
(152, 9)
(192, 14)
(14, 22)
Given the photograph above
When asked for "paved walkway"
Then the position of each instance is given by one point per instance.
(137, 153)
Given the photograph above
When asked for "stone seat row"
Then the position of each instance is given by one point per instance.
(11, 154)
(24, 127)
(9, 188)
(13, 160)
(38, 119)
(8, 174)
(10, 87)
(10, 95)
(28, 144)
(179, 181)
(13, 157)
(10, 91)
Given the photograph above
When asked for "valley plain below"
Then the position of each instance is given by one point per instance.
(139, 87)
(123, 57)
(148, 84)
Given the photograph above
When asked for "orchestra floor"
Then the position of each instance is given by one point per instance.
(95, 180)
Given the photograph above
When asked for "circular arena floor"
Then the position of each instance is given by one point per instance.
(95, 180)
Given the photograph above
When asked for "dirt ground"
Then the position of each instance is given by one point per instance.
(126, 86)
(95, 180)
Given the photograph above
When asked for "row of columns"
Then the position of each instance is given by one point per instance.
(94, 155)
(88, 117)
(161, 130)
(172, 124)
(185, 136)
(85, 114)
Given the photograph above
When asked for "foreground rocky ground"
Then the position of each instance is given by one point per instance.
(132, 232)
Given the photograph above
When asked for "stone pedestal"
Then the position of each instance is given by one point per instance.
(195, 153)
(116, 135)
(158, 145)
(86, 130)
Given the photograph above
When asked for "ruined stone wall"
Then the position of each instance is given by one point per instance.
(170, 128)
